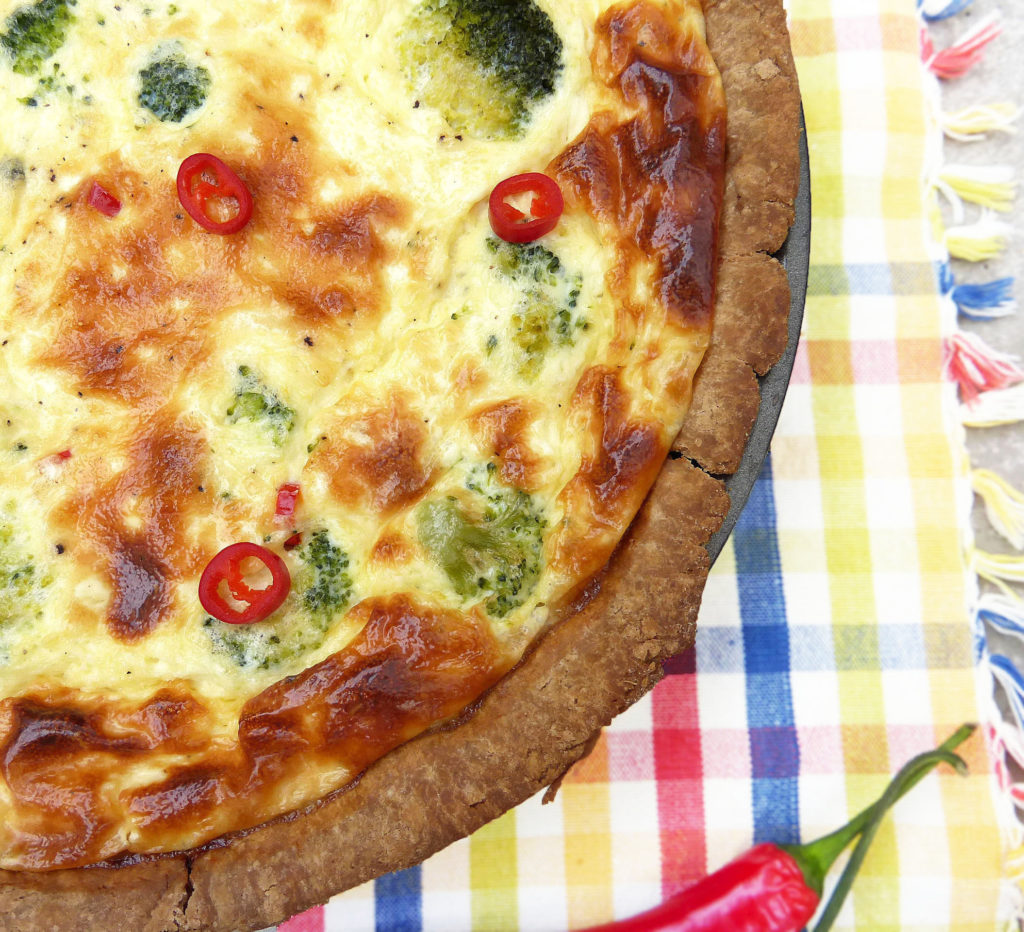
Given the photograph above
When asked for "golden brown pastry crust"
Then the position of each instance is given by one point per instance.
(748, 338)
(750, 43)
(592, 665)
(149, 897)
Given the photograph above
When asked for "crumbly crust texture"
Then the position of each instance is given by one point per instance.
(601, 657)
(750, 43)
(748, 337)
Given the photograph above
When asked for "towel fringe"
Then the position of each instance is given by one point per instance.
(933, 10)
(998, 568)
(990, 186)
(976, 367)
(978, 301)
(972, 124)
(975, 242)
(959, 58)
(1013, 792)
(992, 392)
(994, 408)
(984, 301)
(1010, 681)
(1004, 505)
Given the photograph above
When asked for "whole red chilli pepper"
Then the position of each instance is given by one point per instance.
(762, 889)
(777, 888)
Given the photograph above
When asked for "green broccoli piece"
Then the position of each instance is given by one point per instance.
(35, 32)
(54, 81)
(255, 402)
(324, 588)
(48, 84)
(489, 542)
(172, 87)
(20, 586)
(482, 63)
(329, 584)
(17, 578)
(267, 644)
(546, 315)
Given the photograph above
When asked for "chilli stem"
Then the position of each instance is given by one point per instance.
(869, 821)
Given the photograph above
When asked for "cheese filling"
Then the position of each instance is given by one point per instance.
(471, 423)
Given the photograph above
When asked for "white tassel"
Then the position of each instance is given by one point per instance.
(972, 124)
(1005, 613)
(1004, 505)
(998, 568)
(990, 409)
(978, 241)
(990, 186)
(1008, 676)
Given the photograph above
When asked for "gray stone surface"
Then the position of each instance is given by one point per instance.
(999, 77)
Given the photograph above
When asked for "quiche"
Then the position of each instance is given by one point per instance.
(342, 345)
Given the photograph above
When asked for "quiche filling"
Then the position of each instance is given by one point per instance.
(442, 434)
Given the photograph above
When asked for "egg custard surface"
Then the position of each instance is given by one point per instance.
(441, 435)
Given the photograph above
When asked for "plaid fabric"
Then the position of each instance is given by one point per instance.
(834, 640)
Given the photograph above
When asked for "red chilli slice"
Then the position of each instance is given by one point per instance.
(226, 569)
(510, 223)
(103, 201)
(206, 184)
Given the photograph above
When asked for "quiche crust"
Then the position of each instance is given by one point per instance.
(603, 653)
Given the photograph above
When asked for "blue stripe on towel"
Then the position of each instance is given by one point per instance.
(398, 901)
(775, 757)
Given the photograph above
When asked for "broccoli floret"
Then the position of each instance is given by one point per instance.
(54, 81)
(172, 87)
(50, 83)
(329, 584)
(488, 542)
(482, 63)
(546, 314)
(268, 643)
(255, 402)
(33, 33)
(324, 589)
(17, 578)
(20, 586)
